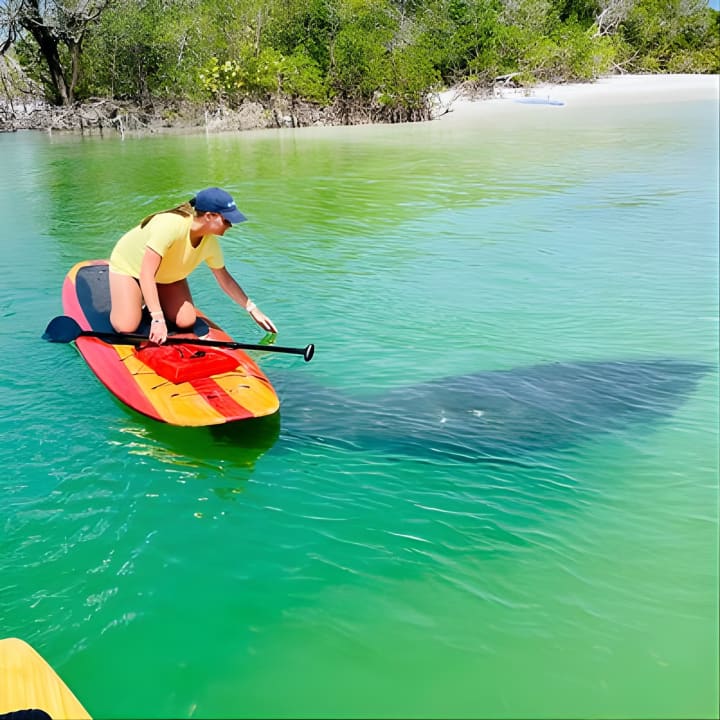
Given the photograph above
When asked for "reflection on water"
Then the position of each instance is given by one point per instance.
(195, 451)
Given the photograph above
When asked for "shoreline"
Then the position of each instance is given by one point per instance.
(451, 105)
(608, 90)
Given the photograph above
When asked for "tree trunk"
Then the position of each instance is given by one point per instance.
(48, 44)
(75, 56)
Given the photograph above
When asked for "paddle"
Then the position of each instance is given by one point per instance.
(64, 329)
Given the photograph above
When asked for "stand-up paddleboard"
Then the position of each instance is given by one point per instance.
(180, 384)
(29, 687)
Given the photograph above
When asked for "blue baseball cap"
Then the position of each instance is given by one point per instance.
(218, 201)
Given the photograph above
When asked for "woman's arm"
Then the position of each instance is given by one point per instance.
(148, 270)
(230, 286)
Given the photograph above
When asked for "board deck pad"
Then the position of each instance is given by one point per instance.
(186, 390)
(93, 291)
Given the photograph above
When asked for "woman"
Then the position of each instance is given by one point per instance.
(150, 264)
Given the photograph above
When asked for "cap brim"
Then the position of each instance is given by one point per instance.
(234, 216)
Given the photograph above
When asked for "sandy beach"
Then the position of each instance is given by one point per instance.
(612, 90)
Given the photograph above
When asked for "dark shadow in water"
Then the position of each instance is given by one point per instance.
(499, 415)
(519, 426)
(506, 420)
(513, 419)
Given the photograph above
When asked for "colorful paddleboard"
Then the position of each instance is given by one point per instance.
(180, 384)
(28, 683)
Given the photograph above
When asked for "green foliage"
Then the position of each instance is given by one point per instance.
(378, 56)
(358, 63)
(408, 75)
(580, 12)
(302, 77)
(706, 60)
(535, 17)
(28, 56)
(15, 83)
(458, 34)
(671, 34)
(249, 74)
(304, 27)
(569, 53)
(140, 51)
(261, 75)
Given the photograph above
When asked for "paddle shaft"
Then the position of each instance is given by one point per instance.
(133, 339)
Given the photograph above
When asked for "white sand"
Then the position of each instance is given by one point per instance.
(616, 90)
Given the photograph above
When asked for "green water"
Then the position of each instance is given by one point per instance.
(342, 562)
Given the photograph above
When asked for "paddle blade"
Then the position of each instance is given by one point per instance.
(309, 352)
(268, 339)
(62, 329)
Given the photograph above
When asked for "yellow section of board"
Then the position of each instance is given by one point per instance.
(28, 682)
(176, 404)
(260, 402)
(182, 404)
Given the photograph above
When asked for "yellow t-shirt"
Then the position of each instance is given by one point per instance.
(168, 234)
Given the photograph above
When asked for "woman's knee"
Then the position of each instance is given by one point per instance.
(125, 303)
(177, 303)
(124, 322)
(186, 315)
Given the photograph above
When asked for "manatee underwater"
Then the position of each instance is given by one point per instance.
(493, 414)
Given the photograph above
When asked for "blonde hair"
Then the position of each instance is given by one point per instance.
(186, 210)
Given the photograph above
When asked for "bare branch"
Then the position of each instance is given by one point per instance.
(9, 23)
(612, 14)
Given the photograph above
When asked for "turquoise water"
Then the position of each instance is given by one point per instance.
(550, 549)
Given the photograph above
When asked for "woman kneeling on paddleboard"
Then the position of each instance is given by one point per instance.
(150, 264)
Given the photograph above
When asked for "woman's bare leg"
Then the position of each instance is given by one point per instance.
(177, 303)
(125, 303)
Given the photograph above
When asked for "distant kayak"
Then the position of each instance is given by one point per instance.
(180, 384)
(538, 101)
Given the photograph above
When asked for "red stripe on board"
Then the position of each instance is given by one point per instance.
(215, 396)
(105, 361)
(102, 358)
(71, 304)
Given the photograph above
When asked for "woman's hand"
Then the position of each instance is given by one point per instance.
(158, 330)
(260, 317)
(228, 283)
